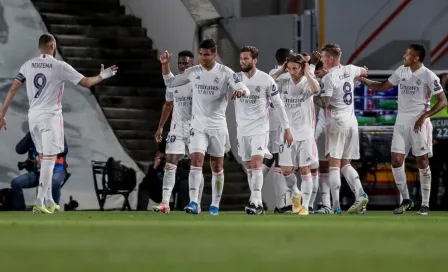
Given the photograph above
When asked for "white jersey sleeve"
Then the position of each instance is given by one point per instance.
(434, 83)
(327, 86)
(68, 73)
(169, 95)
(354, 70)
(235, 82)
(172, 80)
(21, 75)
(278, 104)
(394, 79)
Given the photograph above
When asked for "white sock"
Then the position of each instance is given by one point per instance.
(334, 178)
(280, 188)
(169, 179)
(194, 182)
(201, 189)
(249, 181)
(46, 176)
(425, 185)
(307, 189)
(315, 189)
(400, 181)
(291, 182)
(217, 187)
(353, 180)
(49, 196)
(257, 183)
(324, 189)
(265, 170)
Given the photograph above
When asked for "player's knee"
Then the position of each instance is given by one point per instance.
(286, 171)
(396, 162)
(216, 164)
(197, 159)
(305, 170)
(422, 162)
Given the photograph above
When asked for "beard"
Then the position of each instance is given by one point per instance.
(247, 68)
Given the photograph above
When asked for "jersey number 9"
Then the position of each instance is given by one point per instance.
(39, 82)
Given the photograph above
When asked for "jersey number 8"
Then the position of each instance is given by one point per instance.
(39, 82)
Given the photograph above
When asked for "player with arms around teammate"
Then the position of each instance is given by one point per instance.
(413, 129)
(283, 202)
(179, 101)
(252, 116)
(44, 77)
(297, 92)
(211, 82)
(342, 144)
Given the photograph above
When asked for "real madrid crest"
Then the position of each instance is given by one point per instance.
(419, 82)
(258, 88)
(216, 80)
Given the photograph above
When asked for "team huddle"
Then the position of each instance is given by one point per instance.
(277, 125)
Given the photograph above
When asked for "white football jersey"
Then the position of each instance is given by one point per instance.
(44, 77)
(299, 106)
(210, 93)
(274, 121)
(414, 92)
(181, 96)
(338, 84)
(252, 112)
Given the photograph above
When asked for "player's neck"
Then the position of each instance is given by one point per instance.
(297, 80)
(251, 73)
(209, 68)
(416, 66)
(46, 53)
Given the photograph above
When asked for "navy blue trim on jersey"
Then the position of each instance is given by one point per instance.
(20, 77)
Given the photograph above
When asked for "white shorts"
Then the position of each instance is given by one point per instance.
(320, 141)
(215, 142)
(274, 141)
(300, 153)
(405, 139)
(47, 132)
(176, 144)
(256, 145)
(342, 143)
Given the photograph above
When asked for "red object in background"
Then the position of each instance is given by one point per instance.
(370, 105)
(370, 92)
(294, 6)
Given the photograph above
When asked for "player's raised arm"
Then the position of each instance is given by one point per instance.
(88, 82)
(15, 86)
(383, 86)
(170, 79)
(236, 85)
(312, 82)
(280, 71)
(166, 110)
(327, 91)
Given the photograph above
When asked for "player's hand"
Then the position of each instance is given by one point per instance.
(444, 80)
(306, 69)
(419, 123)
(165, 58)
(3, 123)
(238, 94)
(367, 69)
(287, 137)
(109, 72)
(315, 57)
(158, 135)
(284, 68)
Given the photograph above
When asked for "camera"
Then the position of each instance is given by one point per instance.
(30, 165)
(71, 205)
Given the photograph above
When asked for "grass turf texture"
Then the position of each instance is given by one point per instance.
(121, 241)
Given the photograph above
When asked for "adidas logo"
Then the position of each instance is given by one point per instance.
(198, 77)
(308, 159)
(260, 148)
(176, 91)
(422, 148)
(403, 79)
(165, 189)
(286, 92)
(192, 189)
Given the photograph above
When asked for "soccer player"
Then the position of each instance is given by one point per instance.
(178, 100)
(252, 116)
(211, 82)
(45, 77)
(413, 129)
(319, 135)
(297, 92)
(283, 202)
(342, 143)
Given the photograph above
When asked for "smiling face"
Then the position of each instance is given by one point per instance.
(207, 57)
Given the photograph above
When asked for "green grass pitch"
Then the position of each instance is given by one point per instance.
(123, 241)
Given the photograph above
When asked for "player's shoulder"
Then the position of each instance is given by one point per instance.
(264, 76)
(428, 73)
(273, 71)
(401, 68)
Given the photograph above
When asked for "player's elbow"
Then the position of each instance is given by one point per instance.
(86, 83)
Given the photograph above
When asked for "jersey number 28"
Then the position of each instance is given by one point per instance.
(39, 82)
